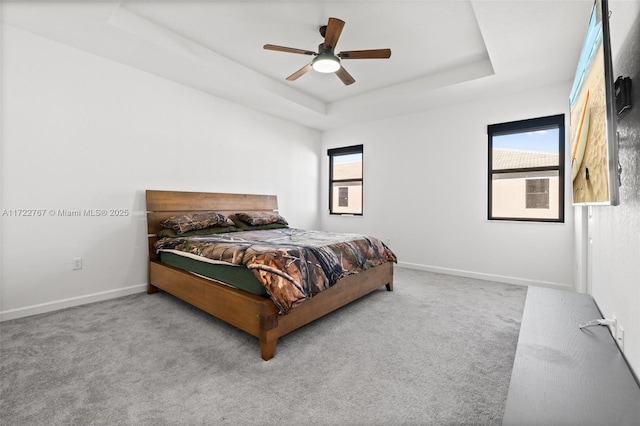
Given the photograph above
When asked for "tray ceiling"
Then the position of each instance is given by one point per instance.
(442, 51)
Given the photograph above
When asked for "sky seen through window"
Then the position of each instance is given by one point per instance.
(536, 141)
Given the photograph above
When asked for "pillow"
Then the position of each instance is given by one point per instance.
(261, 218)
(205, 231)
(243, 226)
(194, 221)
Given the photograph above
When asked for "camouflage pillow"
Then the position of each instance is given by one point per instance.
(168, 232)
(261, 218)
(194, 221)
(242, 226)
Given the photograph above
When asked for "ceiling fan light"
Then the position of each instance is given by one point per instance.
(325, 63)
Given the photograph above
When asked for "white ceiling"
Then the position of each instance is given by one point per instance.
(443, 52)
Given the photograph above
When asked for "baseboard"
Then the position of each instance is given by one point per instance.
(487, 277)
(71, 302)
(112, 294)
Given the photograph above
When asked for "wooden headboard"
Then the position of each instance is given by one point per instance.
(165, 204)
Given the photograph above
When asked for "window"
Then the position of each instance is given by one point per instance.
(537, 193)
(526, 170)
(343, 197)
(345, 180)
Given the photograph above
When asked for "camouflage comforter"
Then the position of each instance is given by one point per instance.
(292, 264)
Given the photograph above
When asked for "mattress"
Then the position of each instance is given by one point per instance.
(291, 264)
(231, 275)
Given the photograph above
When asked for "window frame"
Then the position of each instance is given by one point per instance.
(347, 150)
(524, 126)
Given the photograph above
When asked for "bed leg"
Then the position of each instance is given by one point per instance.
(389, 286)
(268, 348)
(151, 289)
(268, 335)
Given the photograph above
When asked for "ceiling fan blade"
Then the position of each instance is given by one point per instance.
(365, 54)
(299, 73)
(288, 49)
(346, 78)
(332, 34)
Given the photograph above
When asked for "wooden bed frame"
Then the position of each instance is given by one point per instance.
(255, 315)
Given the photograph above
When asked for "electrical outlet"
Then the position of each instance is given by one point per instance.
(76, 263)
(613, 328)
(620, 338)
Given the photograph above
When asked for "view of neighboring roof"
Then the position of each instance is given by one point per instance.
(515, 158)
(348, 170)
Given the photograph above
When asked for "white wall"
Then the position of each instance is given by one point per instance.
(614, 232)
(425, 192)
(82, 132)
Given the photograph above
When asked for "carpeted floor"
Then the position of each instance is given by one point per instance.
(438, 350)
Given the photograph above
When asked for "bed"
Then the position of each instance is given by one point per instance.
(256, 314)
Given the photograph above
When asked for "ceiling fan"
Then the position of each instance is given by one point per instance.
(326, 60)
